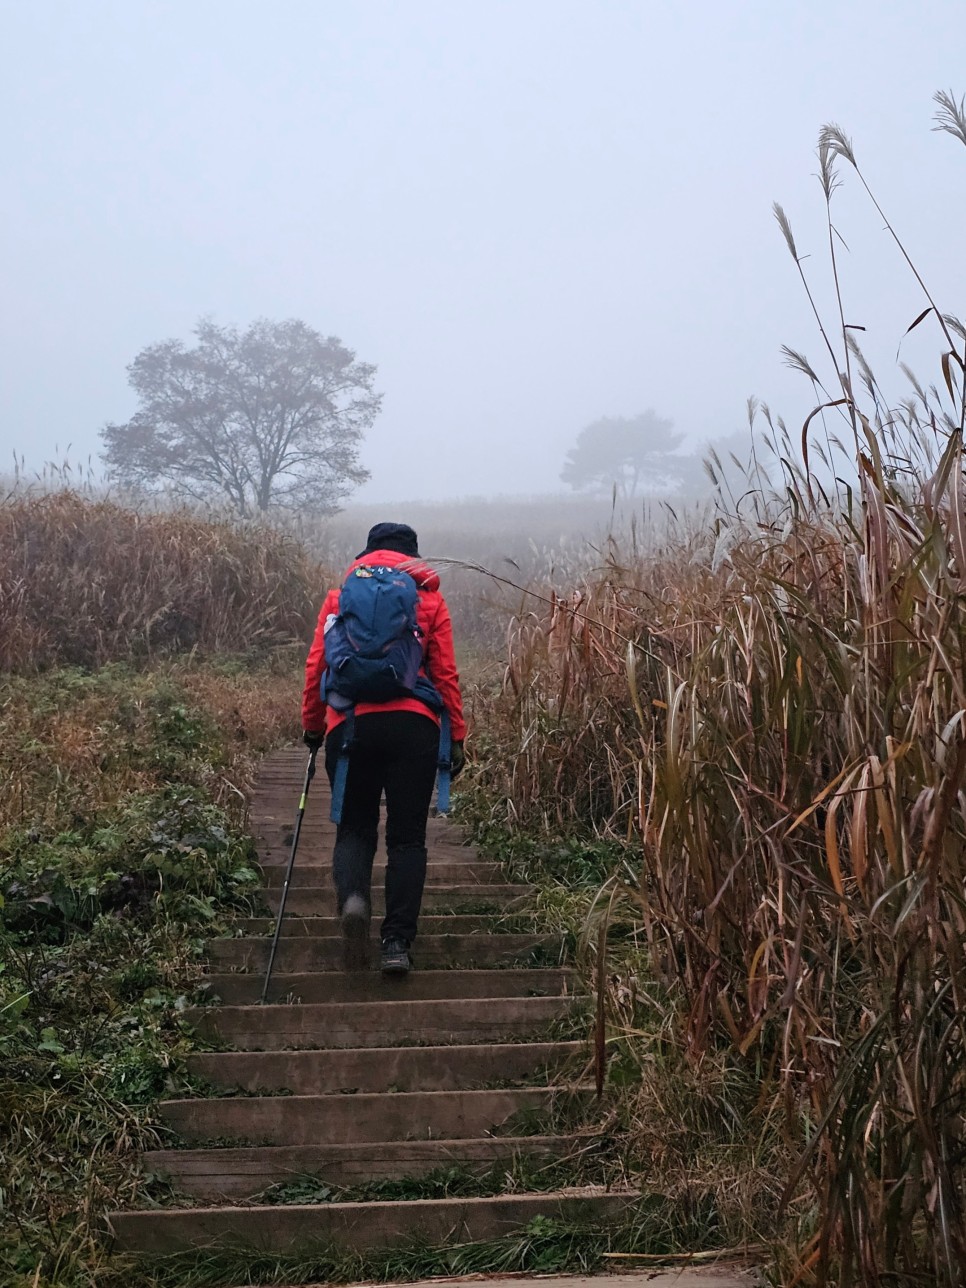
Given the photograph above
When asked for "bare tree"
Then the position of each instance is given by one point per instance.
(269, 417)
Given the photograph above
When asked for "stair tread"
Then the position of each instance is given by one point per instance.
(226, 1173)
(312, 1119)
(212, 1157)
(336, 1070)
(295, 1104)
(279, 1227)
(377, 1023)
(300, 953)
(336, 986)
(373, 1007)
(315, 880)
(423, 941)
(322, 926)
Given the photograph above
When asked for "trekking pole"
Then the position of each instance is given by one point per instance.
(309, 775)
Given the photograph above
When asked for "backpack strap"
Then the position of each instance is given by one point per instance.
(444, 764)
(342, 767)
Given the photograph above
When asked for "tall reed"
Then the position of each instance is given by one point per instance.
(775, 714)
(84, 581)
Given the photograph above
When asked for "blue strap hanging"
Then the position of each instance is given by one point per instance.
(444, 764)
(342, 767)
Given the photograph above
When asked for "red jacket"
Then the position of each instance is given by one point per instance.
(439, 659)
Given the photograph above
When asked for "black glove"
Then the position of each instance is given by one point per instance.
(312, 740)
(457, 758)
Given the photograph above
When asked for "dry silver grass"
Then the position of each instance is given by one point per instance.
(84, 582)
(775, 716)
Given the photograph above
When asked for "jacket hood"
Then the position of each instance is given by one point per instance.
(426, 578)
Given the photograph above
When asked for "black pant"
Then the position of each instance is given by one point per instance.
(395, 752)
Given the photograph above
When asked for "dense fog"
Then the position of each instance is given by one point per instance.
(527, 217)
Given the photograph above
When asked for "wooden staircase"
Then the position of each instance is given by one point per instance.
(352, 1077)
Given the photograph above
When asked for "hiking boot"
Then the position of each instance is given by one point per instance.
(395, 957)
(355, 933)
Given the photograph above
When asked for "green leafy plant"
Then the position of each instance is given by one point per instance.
(116, 863)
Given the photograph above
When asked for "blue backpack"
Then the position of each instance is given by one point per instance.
(373, 653)
(374, 647)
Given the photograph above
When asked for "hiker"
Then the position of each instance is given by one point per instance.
(393, 747)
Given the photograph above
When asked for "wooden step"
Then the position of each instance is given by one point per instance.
(373, 986)
(274, 836)
(334, 1119)
(457, 897)
(450, 852)
(318, 837)
(217, 1175)
(286, 1229)
(318, 872)
(354, 1069)
(405, 1022)
(429, 951)
(309, 925)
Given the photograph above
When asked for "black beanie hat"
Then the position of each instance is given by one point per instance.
(392, 536)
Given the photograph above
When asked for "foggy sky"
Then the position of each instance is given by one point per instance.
(527, 213)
